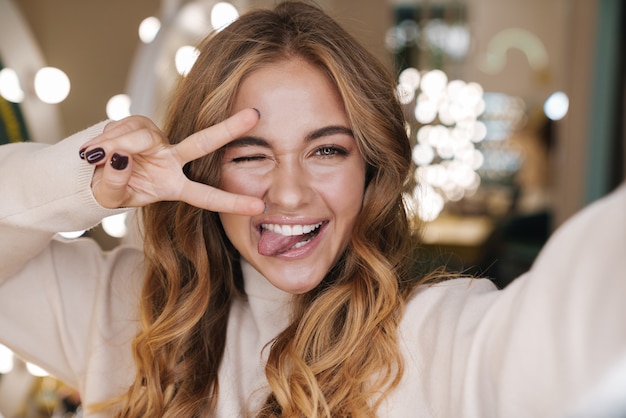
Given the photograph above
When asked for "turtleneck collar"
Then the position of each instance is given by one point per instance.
(269, 306)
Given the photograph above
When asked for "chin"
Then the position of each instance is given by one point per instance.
(294, 281)
(298, 289)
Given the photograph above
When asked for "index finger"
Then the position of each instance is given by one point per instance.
(210, 139)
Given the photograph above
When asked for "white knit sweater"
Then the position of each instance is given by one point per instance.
(534, 349)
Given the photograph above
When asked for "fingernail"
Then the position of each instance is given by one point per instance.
(81, 153)
(119, 162)
(94, 155)
(258, 112)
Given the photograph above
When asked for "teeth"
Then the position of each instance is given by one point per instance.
(291, 230)
(300, 244)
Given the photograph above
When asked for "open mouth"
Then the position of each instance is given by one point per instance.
(278, 239)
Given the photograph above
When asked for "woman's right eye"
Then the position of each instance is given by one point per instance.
(247, 158)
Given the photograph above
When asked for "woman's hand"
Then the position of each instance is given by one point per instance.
(136, 165)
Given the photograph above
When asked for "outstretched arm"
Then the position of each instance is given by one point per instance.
(555, 333)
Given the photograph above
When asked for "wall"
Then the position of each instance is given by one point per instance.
(93, 42)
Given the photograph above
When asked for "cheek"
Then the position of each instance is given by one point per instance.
(345, 194)
(236, 228)
(239, 183)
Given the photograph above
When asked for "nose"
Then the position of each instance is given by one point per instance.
(289, 188)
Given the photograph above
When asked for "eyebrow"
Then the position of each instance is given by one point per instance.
(329, 130)
(249, 141)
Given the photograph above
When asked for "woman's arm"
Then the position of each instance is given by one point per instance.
(535, 348)
(45, 190)
(554, 333)
(69, 306)
(49, 189)
(59, 300)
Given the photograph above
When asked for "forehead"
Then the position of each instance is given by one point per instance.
(291, 94)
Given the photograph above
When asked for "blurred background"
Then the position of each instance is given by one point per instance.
(515, 110)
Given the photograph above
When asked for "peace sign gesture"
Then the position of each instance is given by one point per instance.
(136, 165)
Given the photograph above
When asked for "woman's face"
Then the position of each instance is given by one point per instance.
(303, 161)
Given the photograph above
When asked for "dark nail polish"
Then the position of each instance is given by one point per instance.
(81, 153)
(94, 155)
(119, 162)
(258, 112)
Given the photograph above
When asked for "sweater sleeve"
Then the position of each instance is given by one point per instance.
(536, 348)
(64, 305)
(45, 189)
(553, 334)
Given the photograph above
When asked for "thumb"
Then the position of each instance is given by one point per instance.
(110, 181)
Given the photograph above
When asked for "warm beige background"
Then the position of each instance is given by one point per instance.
(94, 42)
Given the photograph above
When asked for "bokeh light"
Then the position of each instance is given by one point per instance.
(51, 85)
(445, 152)
(429, 202)
(192, 19)
(185, 58)
(10, 87)
(434, 83)
(72, 234)
(148, 29)
(410, 77)
(115, 225)
(35, 370)
(222, 15)
(118, 107)
(556, 106)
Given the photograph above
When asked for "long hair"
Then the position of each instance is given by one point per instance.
(339, 356)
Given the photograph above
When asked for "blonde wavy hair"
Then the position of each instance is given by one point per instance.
(339, 356)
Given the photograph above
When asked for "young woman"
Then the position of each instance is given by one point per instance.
(279, 274)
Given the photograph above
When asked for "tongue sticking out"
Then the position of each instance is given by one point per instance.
(272, 244)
